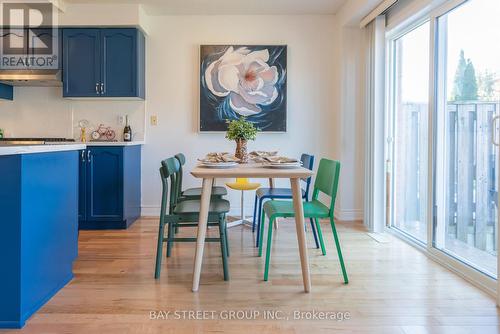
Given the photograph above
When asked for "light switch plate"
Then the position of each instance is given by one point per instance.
(154, 120)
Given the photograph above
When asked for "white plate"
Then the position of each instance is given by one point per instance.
(295, 163)
(218, 164)
(287, 165)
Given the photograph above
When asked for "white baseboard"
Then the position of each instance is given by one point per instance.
(342, 215)
(154, 211)
(236, 211)
(348, 215)
(150, 211)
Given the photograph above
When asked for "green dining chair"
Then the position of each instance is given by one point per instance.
(327, 181)
(186, 213)
(195, 193)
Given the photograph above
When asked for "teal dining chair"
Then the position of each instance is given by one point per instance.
(263, 194)
(186, 213)
(327, 181)
(195, 193)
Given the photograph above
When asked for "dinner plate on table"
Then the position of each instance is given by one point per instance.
(228, 164)
(284, 165)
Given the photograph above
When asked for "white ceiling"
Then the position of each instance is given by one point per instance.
(236, 7)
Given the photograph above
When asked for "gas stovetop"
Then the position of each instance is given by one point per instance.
(33, 141)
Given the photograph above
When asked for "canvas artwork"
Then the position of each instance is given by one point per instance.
(243, 80)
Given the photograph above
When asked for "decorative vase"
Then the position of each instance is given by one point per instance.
(241, 150)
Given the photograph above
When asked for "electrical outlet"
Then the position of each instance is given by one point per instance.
(154, 120)
(121, 120)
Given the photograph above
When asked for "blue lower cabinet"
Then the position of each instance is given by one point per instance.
(38, 230)
(6, 92)
(110, 192)
(82, 188)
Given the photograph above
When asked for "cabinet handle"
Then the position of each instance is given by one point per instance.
(97, 88)
(89, 156)
(82, 154)
(102, 88)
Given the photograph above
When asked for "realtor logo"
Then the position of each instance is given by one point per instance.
(29, 36)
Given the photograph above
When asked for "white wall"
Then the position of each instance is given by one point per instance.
(173, 89)
(349, 99)
(324, 98)
(42, 112)
(351, 126)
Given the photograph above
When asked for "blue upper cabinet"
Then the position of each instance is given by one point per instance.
(6, 92)
(104, 62)
(47, 36)
(81, 62)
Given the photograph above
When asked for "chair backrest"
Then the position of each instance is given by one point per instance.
(308, 162)
(170, 170)
(327, 180)
(182, 160)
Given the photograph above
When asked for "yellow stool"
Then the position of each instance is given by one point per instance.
(243, 185)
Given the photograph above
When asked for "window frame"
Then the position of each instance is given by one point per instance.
(437, 80)
(392, 82)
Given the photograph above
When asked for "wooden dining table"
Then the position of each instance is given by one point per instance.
(251, 170)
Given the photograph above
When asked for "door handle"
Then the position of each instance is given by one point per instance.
(89, 156)
(102, 88)
(493, 130)
(97, 88)
(82, 155)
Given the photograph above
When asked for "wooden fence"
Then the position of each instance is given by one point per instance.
(471, 174)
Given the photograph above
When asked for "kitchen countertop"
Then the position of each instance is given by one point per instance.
(58, 147)
(114, 143)
(29, 149)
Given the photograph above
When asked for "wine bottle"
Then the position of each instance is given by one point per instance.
(127, 131)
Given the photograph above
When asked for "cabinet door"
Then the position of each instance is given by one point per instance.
(6, 92)
(82, 186)
(81, 62)
(45, 41)
(13, 42)
(105, 184)
(119, 56)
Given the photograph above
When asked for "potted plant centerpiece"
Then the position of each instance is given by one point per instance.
(241, 131)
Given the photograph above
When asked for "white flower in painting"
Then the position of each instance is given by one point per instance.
(245, 77)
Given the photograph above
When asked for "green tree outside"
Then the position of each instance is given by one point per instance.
(465, 87)
(486, 85)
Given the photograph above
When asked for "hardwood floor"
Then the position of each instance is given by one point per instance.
(393, 288)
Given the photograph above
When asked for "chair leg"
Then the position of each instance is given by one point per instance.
(226, 236)
(223, 246)
(243, 206)
(339, 251)
(171, 234)
(268, 248)
(315, 234)
(259, 221)
(159, 250)
(320, 236)
(254, 213)
(260, 234)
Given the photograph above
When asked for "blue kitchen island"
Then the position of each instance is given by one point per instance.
(38, 226)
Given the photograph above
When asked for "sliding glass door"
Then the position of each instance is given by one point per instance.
(410, 105)
(467, 99)
(444, 118)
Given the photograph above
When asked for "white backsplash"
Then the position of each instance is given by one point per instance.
(42, 112)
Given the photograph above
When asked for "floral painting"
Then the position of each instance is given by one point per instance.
(248, 81)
